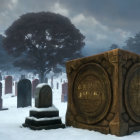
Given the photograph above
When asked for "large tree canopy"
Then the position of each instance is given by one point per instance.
(42, 41)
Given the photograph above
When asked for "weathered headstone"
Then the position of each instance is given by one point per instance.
(43, 93)
(24, 93)
(64, 94)
(45, 116)
(104, 92)
(16, 88)
(35, 82)
(8, 84)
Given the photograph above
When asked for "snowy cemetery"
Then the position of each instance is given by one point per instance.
(31, 110)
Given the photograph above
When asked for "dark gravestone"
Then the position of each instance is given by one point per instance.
(16, 88)
(22, 77)
(45, 116)
(35, 82)
(8, 84)
(64, 94)
(43, 96)
(24, 93)
(0, 77)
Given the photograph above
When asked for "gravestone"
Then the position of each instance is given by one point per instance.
(8, 84)
(43, 93)
(52, 82)
(46, 80)
(64, 94)
(45, 115)
(0, 77)
(16, 88)
(24, 93)
(57, 85)
(35, 82)
(22, 77)
(104, 92)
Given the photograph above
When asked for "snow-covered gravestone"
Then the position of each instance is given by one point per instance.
(43, 96)
(45, 115)
(8, 84)
(24, 93)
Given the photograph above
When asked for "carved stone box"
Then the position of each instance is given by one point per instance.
(104, 92)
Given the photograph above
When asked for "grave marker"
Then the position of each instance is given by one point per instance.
(8, 84)
(24, 93)
(45, 116)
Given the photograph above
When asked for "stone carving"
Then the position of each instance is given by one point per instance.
(104, 92)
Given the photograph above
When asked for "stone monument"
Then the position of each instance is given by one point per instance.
(45, 115)
(8, 84)
(24, 93)
(64, 94)
(104, 92)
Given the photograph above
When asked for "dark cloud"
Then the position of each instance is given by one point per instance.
(103, 22)
(114, 13)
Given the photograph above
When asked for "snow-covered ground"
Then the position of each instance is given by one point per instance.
(12, 119)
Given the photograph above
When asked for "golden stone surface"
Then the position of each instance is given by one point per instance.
(104, 92)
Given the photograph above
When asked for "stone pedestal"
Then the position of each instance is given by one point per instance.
(45, 115)
(44, 118)
(104, 92)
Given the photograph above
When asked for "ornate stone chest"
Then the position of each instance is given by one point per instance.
(104, 92)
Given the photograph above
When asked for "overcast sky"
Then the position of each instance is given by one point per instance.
(103, 22)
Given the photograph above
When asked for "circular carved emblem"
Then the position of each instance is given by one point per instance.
(92, 93)
(132, 92)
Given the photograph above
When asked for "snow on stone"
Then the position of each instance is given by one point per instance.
(52, 108)
(41, 85)
(43, 119)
